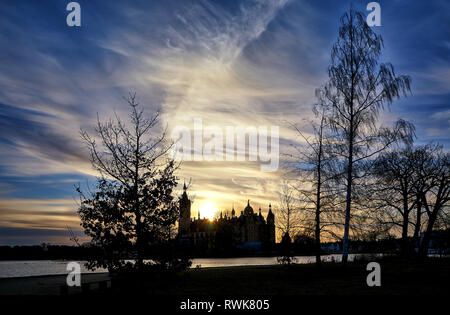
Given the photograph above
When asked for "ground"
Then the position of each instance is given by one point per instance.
(397, 277)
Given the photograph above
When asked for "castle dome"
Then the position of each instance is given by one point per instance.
(248, 209)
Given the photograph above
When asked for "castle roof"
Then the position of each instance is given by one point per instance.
(248, 209)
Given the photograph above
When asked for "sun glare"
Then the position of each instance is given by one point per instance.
(208, 210)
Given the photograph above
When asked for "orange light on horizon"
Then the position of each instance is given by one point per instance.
(208, 210)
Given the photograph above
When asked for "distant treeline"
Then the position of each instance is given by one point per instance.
(50, 252)
(301, 245)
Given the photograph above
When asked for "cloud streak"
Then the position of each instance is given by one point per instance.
(235, 63)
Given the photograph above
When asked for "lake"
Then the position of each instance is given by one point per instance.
(26, 268)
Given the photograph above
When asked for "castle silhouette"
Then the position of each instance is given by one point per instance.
(248, 231)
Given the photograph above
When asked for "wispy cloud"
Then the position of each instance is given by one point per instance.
(231, 63)
(38, 213)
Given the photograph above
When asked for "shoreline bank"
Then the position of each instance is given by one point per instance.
(397, 277)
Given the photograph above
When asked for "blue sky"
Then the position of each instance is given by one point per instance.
(229, 62)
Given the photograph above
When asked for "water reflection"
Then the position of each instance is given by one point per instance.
(26, 268)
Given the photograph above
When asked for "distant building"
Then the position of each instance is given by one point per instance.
(247, 231)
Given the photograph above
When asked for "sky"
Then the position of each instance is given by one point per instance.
(230, 63)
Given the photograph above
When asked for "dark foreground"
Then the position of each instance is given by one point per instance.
(397, 277)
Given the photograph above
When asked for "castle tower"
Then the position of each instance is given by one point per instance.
(185, 213)
(271, 225)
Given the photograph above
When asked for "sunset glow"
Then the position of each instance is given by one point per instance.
(208, 210)
(228, 63)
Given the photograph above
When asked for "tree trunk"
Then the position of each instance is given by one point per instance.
(348, 198)
(404, 242)
(318, 199)
(140, 259)
(317, 232)
(318, 249)
(347, 224)
(423, 249)
(405, 214)
(416, 235)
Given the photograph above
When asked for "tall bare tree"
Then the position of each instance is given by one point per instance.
(358, 88)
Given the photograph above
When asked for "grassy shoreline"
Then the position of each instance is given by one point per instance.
(397, 277)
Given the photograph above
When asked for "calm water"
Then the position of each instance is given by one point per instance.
(25, 268)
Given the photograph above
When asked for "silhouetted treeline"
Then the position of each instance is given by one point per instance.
(301, 246)
(352, 177)
(49, 252)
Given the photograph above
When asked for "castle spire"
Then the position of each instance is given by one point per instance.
(184, 195)
(270, 216)
(185, 213)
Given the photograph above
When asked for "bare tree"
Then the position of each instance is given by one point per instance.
(288, 221)
(72, 236)
(394, 190)
(313, 167)
(287, 211)
(437, 197)
(358, 88)
(423, 159)
(133, 204)
(403, 179)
